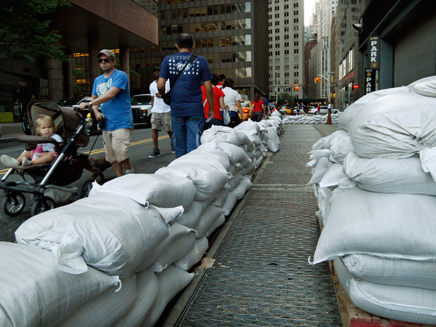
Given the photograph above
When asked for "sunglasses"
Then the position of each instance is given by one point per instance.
(105, 60)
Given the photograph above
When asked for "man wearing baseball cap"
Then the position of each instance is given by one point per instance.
(111, 92)
(160, 114)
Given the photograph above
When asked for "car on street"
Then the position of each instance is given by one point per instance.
(246, 109)
(141, 109)
(289, 110)
(323, 110)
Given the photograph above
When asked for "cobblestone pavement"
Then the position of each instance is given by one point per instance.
(261, 275)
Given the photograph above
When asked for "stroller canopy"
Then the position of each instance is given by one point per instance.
(67, 121)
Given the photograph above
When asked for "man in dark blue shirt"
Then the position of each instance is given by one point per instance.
(187, 113)
(267, 108)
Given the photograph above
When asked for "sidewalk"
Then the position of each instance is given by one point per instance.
(259, 273)
(10, 132)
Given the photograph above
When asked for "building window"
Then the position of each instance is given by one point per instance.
(277, 15)
(295, 50)
(277, 8)
(286, 52)
(295, 12)
(287, 14)
(277, 23)
(295, 36)
(295, 74)
(277, 53)
(296, 43)
(286, 44)
(287, 37)
(277, 30)
(295, 20)
(295, 28)
(296, 5)
(277, 45)
(287, 29)
(286, 7)
(286, 74)
(277, 38)
(286, 21)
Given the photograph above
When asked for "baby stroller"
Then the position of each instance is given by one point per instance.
(54, 176)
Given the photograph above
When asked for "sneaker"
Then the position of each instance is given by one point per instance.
(9, 161)
(172, 148)
(155, 153)
(26, 162)
(129, 171)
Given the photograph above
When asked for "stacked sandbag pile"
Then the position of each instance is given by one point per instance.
(118, 257)
(378, 208)
(312, 119)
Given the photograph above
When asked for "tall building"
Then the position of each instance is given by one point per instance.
(231, 36)
(286, 47)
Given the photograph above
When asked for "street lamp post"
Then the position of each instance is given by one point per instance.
(328, 81)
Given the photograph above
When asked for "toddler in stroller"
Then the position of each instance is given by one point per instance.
(44, 152)
(59, 166)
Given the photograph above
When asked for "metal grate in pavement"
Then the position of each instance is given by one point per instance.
(261, 276)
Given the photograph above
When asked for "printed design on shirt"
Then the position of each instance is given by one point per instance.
(104, 87)
(177, 63)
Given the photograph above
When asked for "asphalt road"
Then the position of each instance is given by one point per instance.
(140, 148)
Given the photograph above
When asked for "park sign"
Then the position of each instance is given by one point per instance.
(374, 52)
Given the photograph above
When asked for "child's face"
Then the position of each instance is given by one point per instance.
(46, 129)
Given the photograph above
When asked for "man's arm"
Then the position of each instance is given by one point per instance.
(209, 95)
(161, 86)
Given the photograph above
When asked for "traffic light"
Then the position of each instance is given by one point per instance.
(355, 86)
(297, 88)
(317, 80)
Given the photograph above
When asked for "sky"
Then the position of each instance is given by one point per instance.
(308, 6)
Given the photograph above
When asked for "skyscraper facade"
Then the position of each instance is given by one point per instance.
(286, 47)
(231, 35)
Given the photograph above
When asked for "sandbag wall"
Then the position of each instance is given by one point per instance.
(312, 119)
(118, 257)
(375, 186)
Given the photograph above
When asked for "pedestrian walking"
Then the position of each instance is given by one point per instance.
(257, 108)
(267, 110)
(160, 114)
(218, 107)
(233, 99)
(319, 109)
(298, 108)
(187, 113)
(111, 92)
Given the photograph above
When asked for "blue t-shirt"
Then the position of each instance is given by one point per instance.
(186, 95)
(118, 111)
(265, 102)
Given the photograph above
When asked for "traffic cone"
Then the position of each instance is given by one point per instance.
(329, 118)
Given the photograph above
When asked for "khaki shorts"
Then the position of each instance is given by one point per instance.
(116, 144)
(161, 121)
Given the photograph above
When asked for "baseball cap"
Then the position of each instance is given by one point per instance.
(108, 53)
(157, 68)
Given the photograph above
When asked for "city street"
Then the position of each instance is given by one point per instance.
(141, 146)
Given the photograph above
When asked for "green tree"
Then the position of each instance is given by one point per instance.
(24, 33)
(285, 99)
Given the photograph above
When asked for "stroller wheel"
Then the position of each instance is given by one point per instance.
(41, 205)
(13, 204)
(85, 189)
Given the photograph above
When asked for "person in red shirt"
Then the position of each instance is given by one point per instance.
(257, 111)
(218, 105)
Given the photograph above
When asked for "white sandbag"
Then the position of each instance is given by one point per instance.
(364, 102)
(384, 225)
(323, 196)
(335, 176)
(318, 154)
(230, 203)
(105, 309)
(109, 232)
(398, 272)
(235, 154)
(207, 219)
(217, 223)
(171, 281)
(242, 188)
(395, 126)
(207, 180)
(169, 215)
(147, 288)
(175, 251)
(235, 181)
(221, 198)
(322, 166)
(250, 169)
(35, 293)
(273, 140)
(401, 303)
(232, 170)
(340, 146)
(389, 175)
(191, 217)
(161, 191)
(224, 134)
(424, 86)
(207, 155)
(194, 256)
(248, 125)
(177, 231)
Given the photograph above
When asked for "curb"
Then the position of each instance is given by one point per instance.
(7, 139)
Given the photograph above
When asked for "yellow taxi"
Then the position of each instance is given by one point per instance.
(246, 109)
(287, 109)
